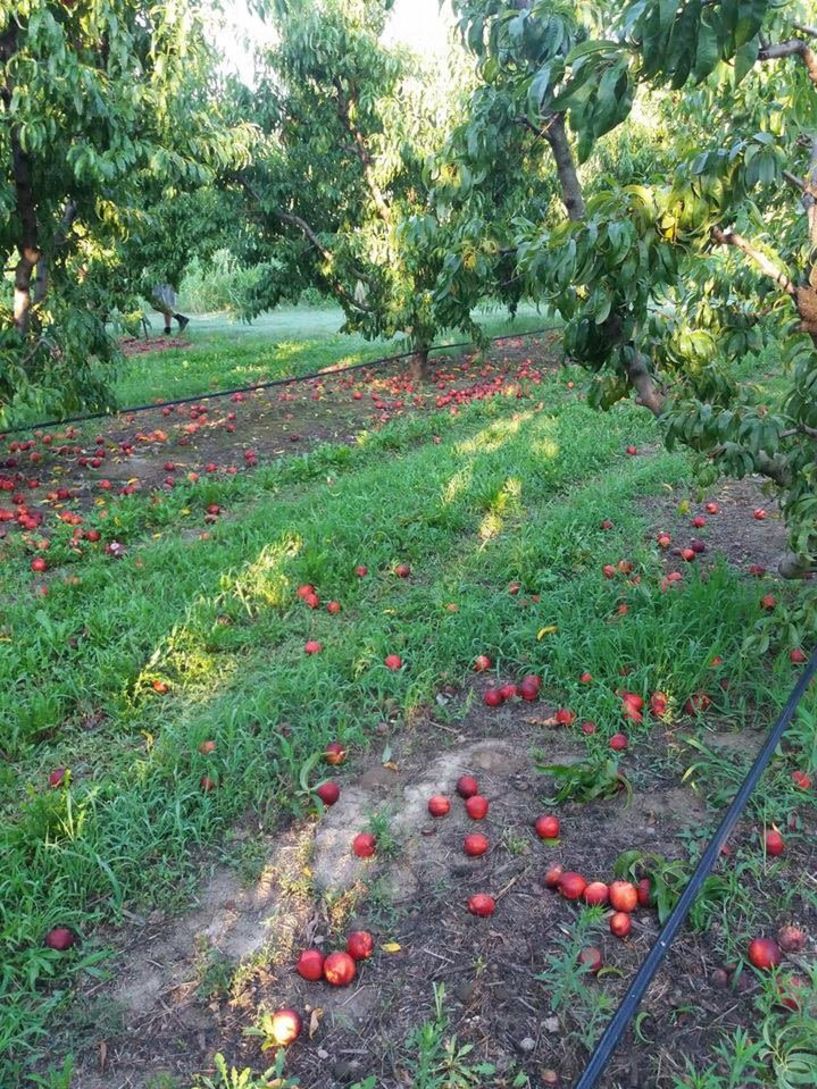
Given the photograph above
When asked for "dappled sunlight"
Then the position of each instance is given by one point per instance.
(263, 581)
(494, 436)
(545, 448)
(505, 502)
(189, 656)
(458, 483)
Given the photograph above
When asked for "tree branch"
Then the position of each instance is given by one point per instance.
(763, 262)
(796, 47)
(300, 224)
(362, 152)
(804, 28)
(525, 122)
(794, 181)
(647, 393)
(572, 196)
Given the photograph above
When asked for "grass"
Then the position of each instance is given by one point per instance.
(509, 493)
(224, 354)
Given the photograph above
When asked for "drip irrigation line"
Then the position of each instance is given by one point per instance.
(291, 380)
(635, 992)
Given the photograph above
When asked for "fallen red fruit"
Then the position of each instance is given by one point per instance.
(791, 939)
(467, 786)
(339, 969)
(553, 876)
(207, 784)
(774, 843)
(547, 826)
(207, 747)
(328, 792)
(764, 953)
(588, 728)
(619, 742)
(481, 904)
(632, 450)
(659, 703)
(712, 508)
(393, 662)
(333, 607)
(38, 565)
(312, 646)
(632, 699)
(529, 691)
(60, 938)
(56, 778)
(334, 753)
(797, 656)
(361, 571)
(609, 571)
(572, 885)
(475, 845)
(360, 945)
(305, 591)
(759, 514)
(493, 697)
(620, 924)
(402, 570)
(699, 521)
(801, 780)
(596, 893)
(476, 807)
(623, 896)
(310, 965)
(606, 524)
(697, 702)
(768, 601)
(591, 960)
(508, 691)
(586, 678)
(564, 717)
(481, 663)
(439, 806)
(364, 845)
(792, 991)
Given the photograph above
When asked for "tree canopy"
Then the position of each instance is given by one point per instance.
(105, 105)
(661, 283)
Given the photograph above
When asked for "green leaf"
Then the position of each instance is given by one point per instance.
(708, 53)
(745, 59)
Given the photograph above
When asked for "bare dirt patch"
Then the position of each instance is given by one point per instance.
(734, 533)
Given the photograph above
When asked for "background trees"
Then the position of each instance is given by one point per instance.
(645, 274)
(105, 105)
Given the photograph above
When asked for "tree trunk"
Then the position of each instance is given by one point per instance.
(28, 243)
(419, 366)
(572, 195)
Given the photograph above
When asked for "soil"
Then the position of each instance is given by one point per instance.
(733, 533)
(141, 345)
(189, 987)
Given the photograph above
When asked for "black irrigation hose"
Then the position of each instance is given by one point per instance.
(612, 1034)
(267, 385)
